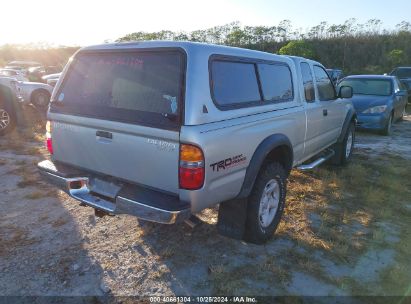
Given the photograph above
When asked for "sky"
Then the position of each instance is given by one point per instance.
(85, 22)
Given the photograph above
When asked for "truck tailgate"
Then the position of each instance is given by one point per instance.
(142, 155)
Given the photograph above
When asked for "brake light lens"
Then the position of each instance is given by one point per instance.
(191, 171)
(49, 141)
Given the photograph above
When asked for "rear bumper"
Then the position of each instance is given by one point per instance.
(115, 197)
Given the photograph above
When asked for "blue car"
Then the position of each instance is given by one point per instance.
(379, 100)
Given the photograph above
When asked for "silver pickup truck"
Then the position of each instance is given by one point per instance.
(163, 130)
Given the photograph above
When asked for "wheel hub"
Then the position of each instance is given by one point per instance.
(41, 99)
(269, 202)
(4, 119)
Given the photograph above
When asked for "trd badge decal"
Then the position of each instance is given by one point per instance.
(228, 163)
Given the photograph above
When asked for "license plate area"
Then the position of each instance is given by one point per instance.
(105, 188)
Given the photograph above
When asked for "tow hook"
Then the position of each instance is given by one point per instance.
(100, 213)
(193, 221)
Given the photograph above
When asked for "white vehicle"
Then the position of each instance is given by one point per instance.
(51, 79)
(17, 74)
(22, 64)
(36, 93)
(12, 84)
(26, 92)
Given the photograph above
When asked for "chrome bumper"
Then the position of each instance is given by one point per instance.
(111, 200)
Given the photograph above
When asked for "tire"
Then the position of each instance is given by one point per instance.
(387, 129)
(404, 113)
(8, 119)
(343, 151)
(40, 99)
(265, 207)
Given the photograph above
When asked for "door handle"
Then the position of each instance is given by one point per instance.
(325, 112)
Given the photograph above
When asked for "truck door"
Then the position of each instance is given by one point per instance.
(332, 110)
(313, 112)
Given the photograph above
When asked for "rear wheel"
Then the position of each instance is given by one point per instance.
(266, 204)
(40, 98)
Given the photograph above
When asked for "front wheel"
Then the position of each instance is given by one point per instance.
(266, 204)
(404, 113)
(388, 127)
(343, 150)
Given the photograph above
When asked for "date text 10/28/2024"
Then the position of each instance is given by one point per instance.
(203, 299)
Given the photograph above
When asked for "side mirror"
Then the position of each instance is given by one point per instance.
(401, 93)
(345, 92)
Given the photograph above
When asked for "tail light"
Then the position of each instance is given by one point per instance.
(49, 141)
(191, 171)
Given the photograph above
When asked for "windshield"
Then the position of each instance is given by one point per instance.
(402, 73)
(141, 87)
(363, 86)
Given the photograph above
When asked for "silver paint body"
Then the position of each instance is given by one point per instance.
(27, 88)
(150, 156)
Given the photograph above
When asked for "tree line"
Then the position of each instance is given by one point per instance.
(44, 54)
(355, 47)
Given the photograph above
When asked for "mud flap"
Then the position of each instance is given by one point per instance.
(232, 216)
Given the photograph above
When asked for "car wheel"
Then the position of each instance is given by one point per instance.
(40, 99)
(343, 151)
(404, 113)
(388, 127)
(7, 120)
(266, 204)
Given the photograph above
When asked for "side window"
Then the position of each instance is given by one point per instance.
(234, 83)
(325, 87)
(276, 82)
(401, 86)
(308, 82)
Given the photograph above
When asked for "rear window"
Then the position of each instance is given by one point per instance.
(364, 86)
(143, 87)
(237, 84)
(234, 83)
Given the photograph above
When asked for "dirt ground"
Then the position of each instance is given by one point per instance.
(345, 232)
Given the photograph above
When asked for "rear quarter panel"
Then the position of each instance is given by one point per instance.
(236, 140)
(233, 135)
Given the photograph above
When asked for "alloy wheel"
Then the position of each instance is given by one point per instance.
(4, 119)
(269, 202)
